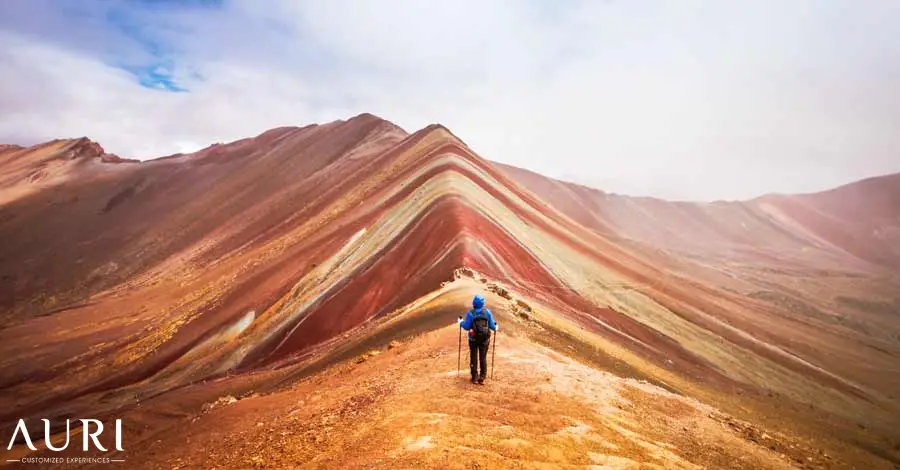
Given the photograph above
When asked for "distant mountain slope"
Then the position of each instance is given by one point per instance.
(862, 218)
(96, 224)
(850, 227)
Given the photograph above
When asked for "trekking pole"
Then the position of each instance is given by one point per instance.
(459, 346)
(494, 352)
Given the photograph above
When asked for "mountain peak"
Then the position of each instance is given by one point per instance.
(438, 133)
(367, 117)
(85, 148)
(443, 130)
(376, 123)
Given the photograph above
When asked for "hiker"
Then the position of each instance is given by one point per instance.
(479, 322)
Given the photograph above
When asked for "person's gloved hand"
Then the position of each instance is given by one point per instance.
(459, 321)
(497, 326)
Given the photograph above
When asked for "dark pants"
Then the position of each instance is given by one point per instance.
(481, 350)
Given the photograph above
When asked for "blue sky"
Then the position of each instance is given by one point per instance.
(697, 100)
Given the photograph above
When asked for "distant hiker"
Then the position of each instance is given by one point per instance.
(479, 322)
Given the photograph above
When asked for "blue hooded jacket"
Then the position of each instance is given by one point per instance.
(477, 307)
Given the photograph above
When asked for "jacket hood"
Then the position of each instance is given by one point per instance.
(478, 301)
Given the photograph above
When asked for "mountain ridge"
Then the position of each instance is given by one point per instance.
(279, 132)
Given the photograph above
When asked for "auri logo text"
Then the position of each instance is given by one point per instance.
(87, 435)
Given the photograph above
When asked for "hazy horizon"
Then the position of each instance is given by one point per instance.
(697, 101)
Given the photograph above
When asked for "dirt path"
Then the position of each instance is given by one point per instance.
(405, 407)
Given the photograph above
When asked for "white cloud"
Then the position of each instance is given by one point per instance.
(696, 100)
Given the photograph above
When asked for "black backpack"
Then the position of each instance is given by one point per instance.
(481, 327)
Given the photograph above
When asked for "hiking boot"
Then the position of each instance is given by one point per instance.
(480, 380)
(474, 380)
